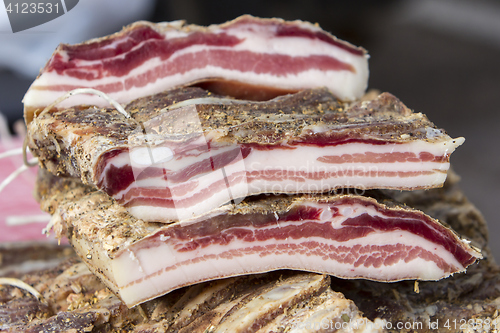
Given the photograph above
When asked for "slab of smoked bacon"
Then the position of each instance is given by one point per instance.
(173, 161)
(348, 236)
(248, 57)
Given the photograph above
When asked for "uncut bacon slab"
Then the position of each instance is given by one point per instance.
(246, 57)
(176, 161)
(347, 236)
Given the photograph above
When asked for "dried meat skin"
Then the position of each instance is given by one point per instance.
(348, 236)
(146, 58)
(187, 152)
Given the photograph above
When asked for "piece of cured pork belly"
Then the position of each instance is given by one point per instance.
(348, 236)
(186, 151)
(248, 57)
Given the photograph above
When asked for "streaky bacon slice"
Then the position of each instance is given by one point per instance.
(348, 236)
(190, 157)
(248, 57)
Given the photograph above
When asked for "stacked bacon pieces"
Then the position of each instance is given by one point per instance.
(234, 149)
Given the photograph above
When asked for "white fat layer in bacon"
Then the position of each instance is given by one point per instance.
(146, 156)
(141, 275)
(163, 282)
(234, 193)
(339, 82)
(153, 260)
(306, 173)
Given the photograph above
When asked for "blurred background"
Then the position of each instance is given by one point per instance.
(440, 57)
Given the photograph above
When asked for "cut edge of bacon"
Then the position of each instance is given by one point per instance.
(405, 250)
(167, 203)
